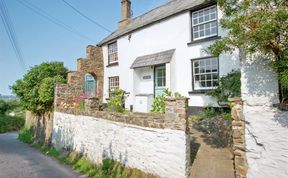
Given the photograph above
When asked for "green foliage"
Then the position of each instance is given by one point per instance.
(116, 102)
(26, 135)
(256, 27)
(50, 151)
(229, 86)
(10, 123)
(36, 89)
(210, 112)
(3, 107)
(158, 105)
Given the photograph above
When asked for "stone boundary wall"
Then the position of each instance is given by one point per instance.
(238, 134)
(154, 143)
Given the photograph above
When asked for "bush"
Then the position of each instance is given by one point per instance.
(158, 105)
(10, 123)
(116, 102)
(210, 112)
(3, 107)
(229, 86)
(36, 89)
(26, 135)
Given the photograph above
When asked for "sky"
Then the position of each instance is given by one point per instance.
(41, 40)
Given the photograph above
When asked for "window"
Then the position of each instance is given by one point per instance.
(160, 76)
(205, 73)
(113, 83)
(112, 53)
(204, 23)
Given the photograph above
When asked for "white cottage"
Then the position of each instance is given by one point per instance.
(164, 48)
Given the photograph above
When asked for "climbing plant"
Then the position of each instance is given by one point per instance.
(229, 86)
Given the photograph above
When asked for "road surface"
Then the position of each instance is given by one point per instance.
(18, 160)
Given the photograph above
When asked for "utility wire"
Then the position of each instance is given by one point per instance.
(52, 19)
(86, 17)
(9, 28)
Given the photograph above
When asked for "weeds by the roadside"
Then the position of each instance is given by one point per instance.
(26, 135)
(108, 169)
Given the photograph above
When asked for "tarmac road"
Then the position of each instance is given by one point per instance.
(18, 160)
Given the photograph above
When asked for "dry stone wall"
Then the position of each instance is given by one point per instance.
(238, 134)
(154, 143)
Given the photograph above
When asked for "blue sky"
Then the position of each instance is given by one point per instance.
(40, 40)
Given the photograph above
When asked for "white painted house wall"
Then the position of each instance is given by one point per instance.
(172, 33)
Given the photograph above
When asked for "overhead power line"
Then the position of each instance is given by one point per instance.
(86, 17)
(52, 19)
(9, 28)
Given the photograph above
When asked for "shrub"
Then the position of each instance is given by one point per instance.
(210, 112)
(10, 123)
(26, 135)
(229, 86)
(158, 105)
(116, 102)
(3, 107)
(36, 89)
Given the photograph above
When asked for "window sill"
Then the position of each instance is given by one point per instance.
(113, 64)
(204, 40)
(198, 92)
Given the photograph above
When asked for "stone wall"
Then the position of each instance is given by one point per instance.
(154, 143)
(71, 94)
(238, 134)
(42, 126)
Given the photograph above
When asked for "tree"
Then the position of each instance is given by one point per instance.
(3, 107)
(257, 27)
(36, 89)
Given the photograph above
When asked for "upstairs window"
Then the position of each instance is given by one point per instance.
(113, 83)
(205, 73)
(204, 23)
(112, 53)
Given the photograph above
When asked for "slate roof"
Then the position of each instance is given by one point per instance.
(169, 9)
(153, 59)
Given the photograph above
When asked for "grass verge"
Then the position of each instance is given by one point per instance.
(80, 163)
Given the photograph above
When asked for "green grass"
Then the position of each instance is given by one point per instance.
(10, 123)
(108, 169)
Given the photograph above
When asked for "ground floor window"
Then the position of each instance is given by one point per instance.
(205, 73)
(113, 83)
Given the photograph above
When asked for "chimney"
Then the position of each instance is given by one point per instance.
(126, 13)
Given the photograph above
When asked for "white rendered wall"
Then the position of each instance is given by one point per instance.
(158, 151)
(173, 33)
(266, 126)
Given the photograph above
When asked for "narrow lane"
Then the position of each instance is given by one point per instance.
(18, 160)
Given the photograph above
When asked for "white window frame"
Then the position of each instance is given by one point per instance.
(112, 53)
(113, 82)
(204, 23)
(204, 74)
